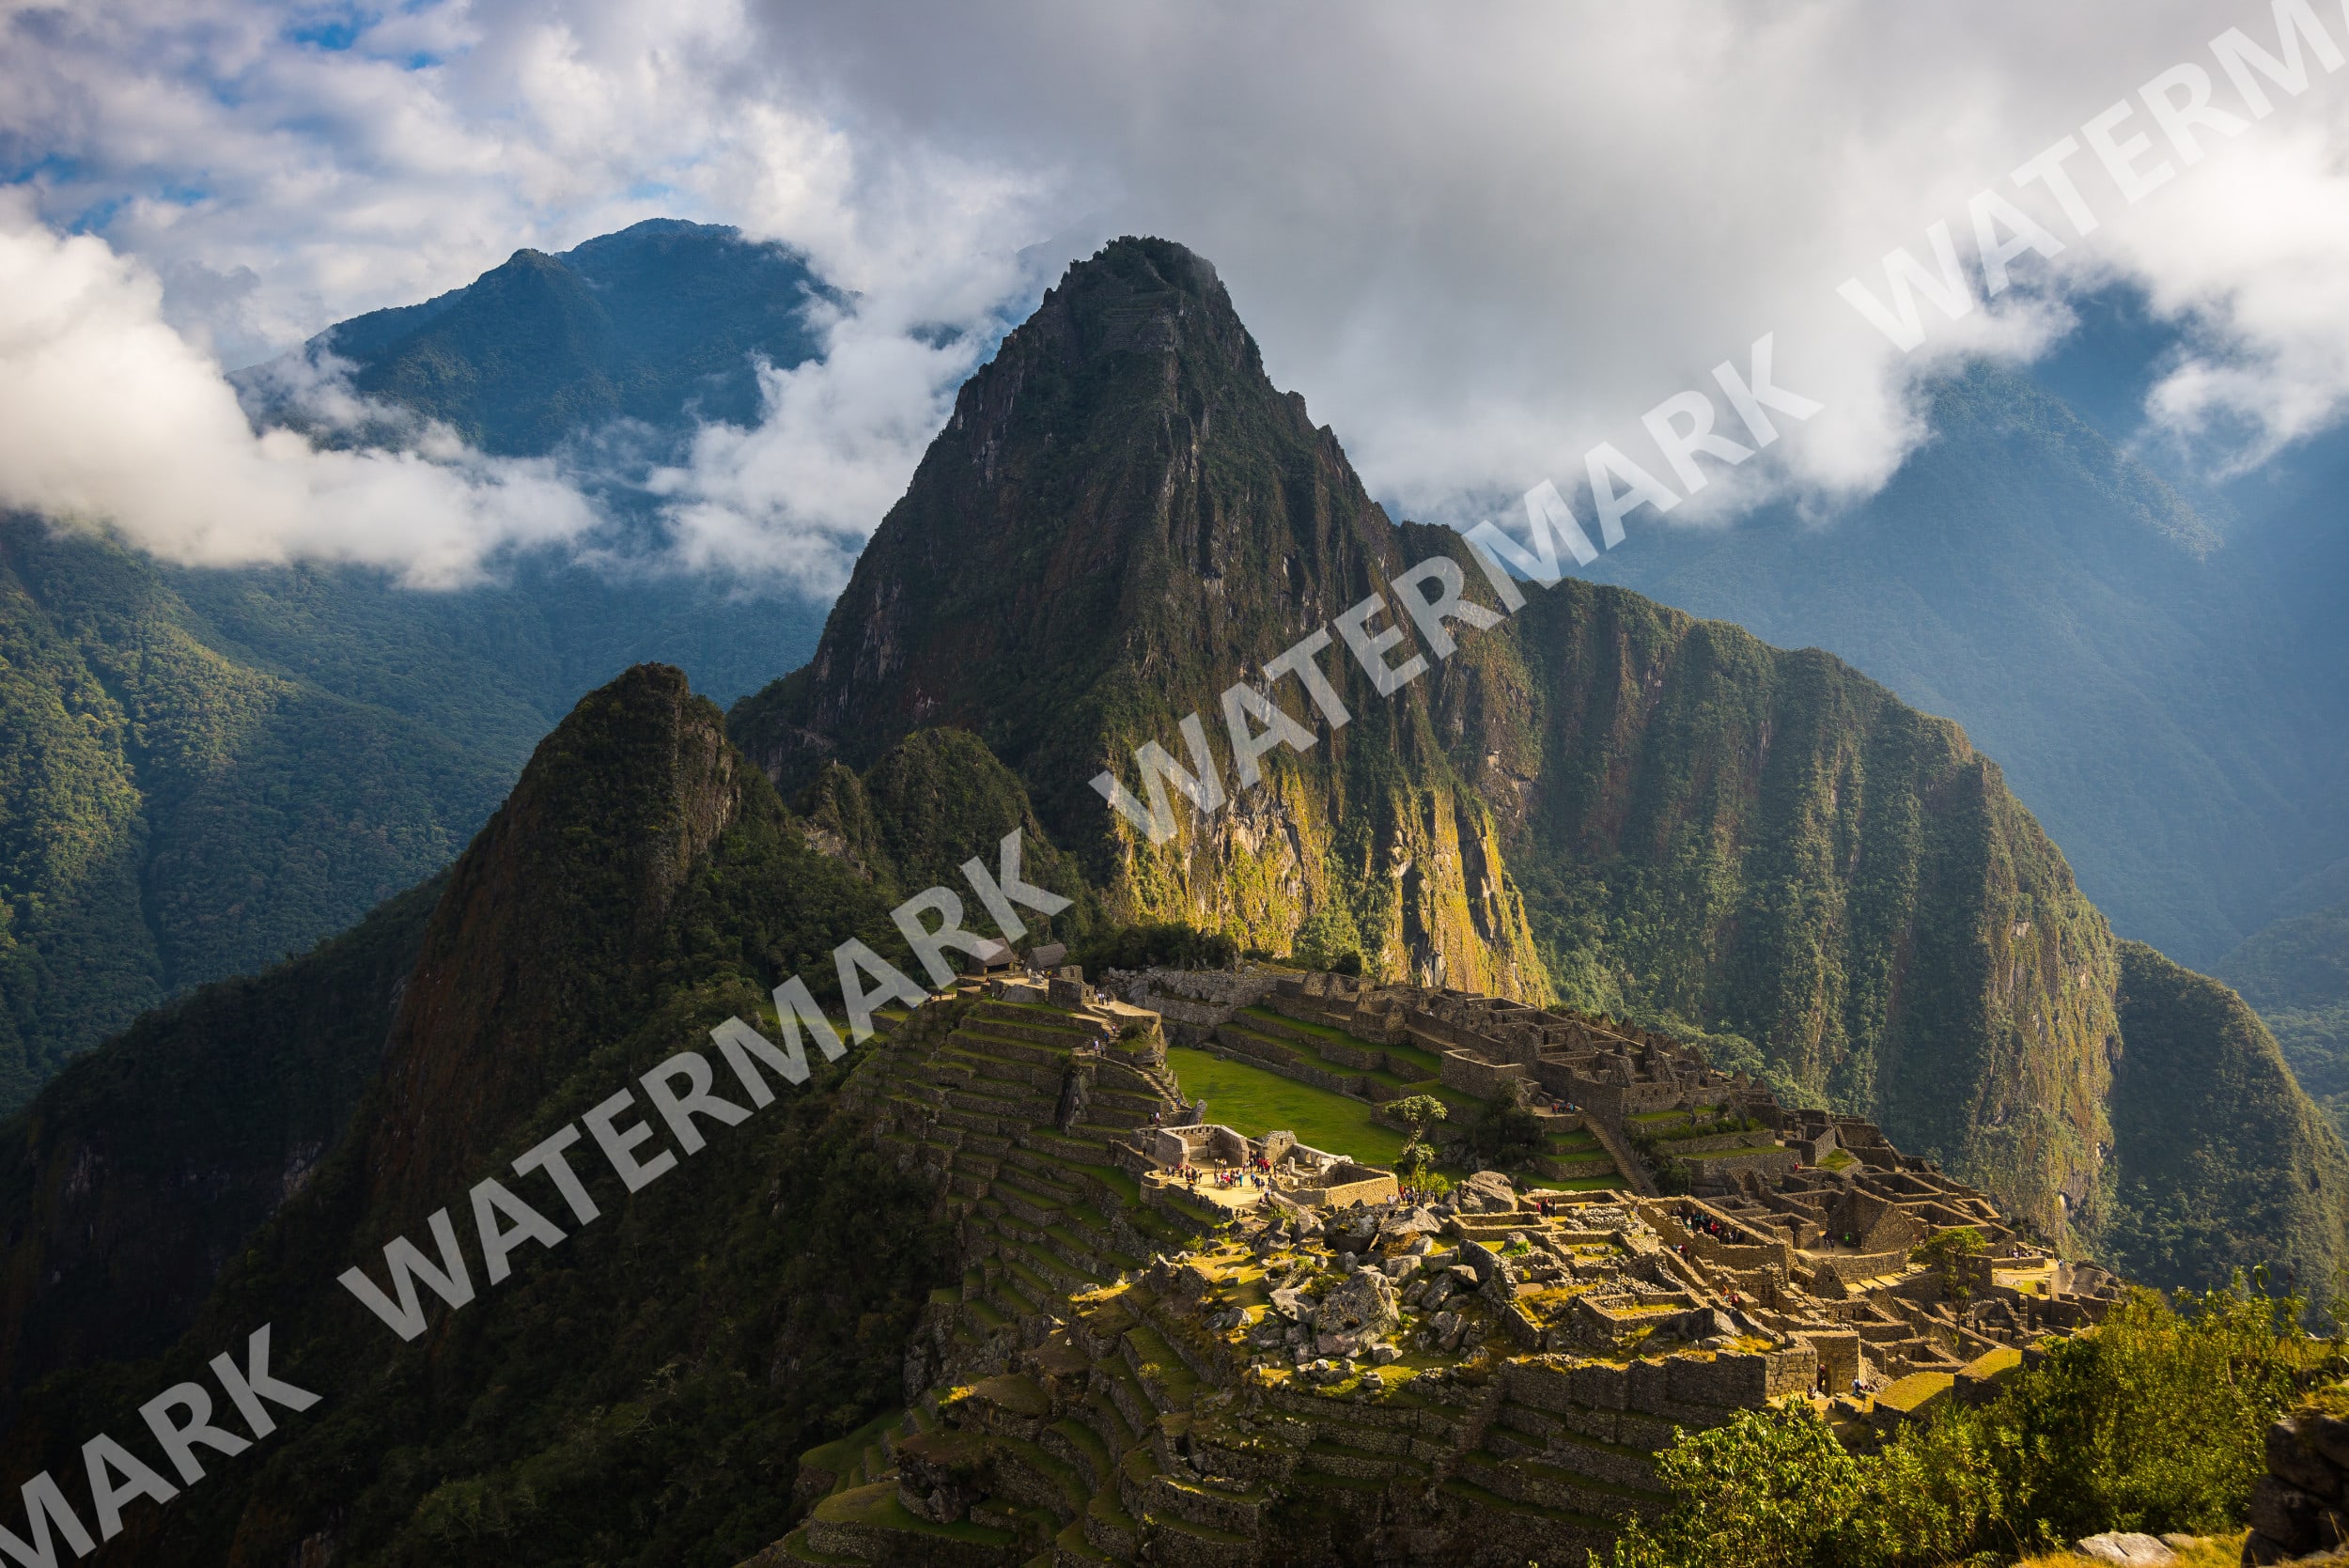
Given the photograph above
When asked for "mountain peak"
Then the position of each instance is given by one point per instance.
(612, 812)
(1122, 508)
(1146, 296)
(1122, 517)
(663, 322)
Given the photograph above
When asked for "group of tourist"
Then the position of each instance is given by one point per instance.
(1223, 1175)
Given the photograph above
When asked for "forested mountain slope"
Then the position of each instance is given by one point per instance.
(2296, 973)
(146, 1166)
(1602, 798)
(173, 810)
(1768, 846)
(203, 771)
(2219, 1149)
(2145, 677)
(638, 1394)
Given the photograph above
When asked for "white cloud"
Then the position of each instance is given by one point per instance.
(1482, 243)
(799, 495)
(274, 186)
(1479, 242)
(109, 418)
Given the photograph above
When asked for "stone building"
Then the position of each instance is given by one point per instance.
(1313, 1371)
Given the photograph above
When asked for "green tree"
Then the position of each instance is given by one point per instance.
(1947, 1250)
(1419, 1112)
(1771, 1488)
(1508, 1133)
(1170, 944)
(1329, 940)
(2153, 1422)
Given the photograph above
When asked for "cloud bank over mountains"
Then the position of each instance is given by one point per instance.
(1478, 247)
(112, 418)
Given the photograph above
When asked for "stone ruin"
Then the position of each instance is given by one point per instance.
(1315, 1370)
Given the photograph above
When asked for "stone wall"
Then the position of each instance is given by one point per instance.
(1691, 1390)
(2301, 1505)
(1473, 1075)
(1215, 988)
(1838, 1355)
(1836, 1275)
(1722, 1168)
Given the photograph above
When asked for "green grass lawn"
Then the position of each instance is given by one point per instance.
(1417, 1056)
(1320, 1031)
(1465, 1107)
(1252, 1101)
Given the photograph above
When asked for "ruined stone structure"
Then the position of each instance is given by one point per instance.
(1134, 1369)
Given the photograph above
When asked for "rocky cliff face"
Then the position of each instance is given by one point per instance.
(1122, 517)
(1602, 799)
(1768, 846)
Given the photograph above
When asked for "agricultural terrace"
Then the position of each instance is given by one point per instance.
(1252, 1101)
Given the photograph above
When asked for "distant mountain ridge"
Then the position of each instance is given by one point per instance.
(202, 771)
(2130, 664)
(662, 323)
(2296, 973)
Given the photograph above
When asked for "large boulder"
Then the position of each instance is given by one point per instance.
(1485, 1192)
(1407, 1225)
(2302, 1504)
(1294, 1304)
(1363, 1306)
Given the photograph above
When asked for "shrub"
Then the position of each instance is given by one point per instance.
(1508, 1133)
(2153, 1422)
(1768, 1490)
(1169, 944)
(1329, 940)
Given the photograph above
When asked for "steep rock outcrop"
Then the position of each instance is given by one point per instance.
(1122, 517)
(1769, 846)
